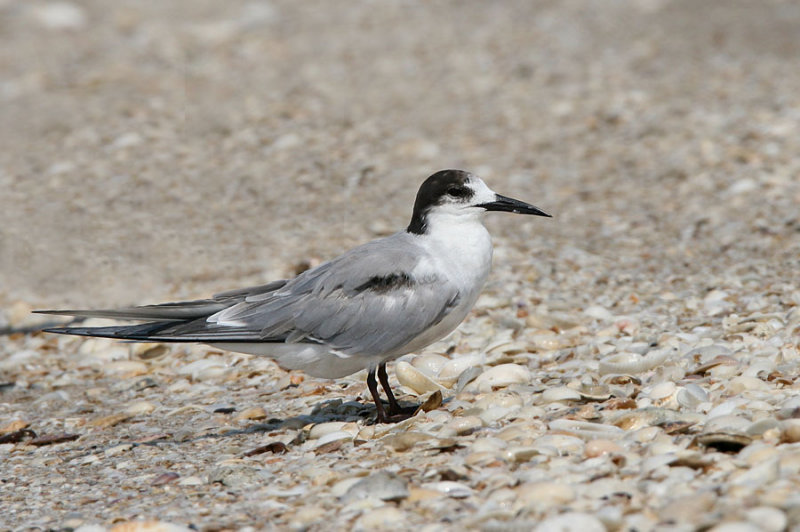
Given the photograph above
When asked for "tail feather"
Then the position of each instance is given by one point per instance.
(167, 312)
(141, 333)
(165, 331)
(183, 321)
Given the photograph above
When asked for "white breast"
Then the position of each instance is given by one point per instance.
(461, 251)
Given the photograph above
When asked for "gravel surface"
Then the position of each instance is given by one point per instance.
(632, 365)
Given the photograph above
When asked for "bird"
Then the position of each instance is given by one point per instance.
(376, 302)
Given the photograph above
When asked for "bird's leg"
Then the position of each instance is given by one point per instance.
(373, 389)
(394, 408)
(396, 412)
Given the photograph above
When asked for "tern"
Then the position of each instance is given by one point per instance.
(378, 301)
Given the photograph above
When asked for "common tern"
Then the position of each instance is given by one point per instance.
(376, 302)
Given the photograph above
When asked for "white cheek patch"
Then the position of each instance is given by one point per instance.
(483, 194)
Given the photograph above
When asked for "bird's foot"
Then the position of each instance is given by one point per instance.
(395, 413)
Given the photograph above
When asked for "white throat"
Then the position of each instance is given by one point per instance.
(461, 246)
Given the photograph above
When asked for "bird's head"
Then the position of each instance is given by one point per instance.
(460, 195)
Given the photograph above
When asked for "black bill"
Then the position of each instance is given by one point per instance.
(506, 204)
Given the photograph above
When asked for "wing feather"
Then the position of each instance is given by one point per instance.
(370, 301)
(367, 302)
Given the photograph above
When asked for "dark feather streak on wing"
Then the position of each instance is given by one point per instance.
(386, 283)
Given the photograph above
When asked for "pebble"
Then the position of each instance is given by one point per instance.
(741, 383)
(13, 426)
(118, 449)
(501, 399)
(790, 430)
(110, 421)
(140, 408)
(739, 526)
(387, 517)
(559, 444)
(235, 475)
(688, 508)
(461, 426)
(571, 522)
(599, 313)
(628, 363)
(456, 490)
(423, 494)
(585, 429)
(520, 454)
(60, 16)
(546, 494)
(149, 526)
(204, 369)
(130, 368)
(382, 485)
(19, 360)
(767, 518)
(306, 516)
(252, 413)
(758, 475)
(88, 528)
(601, 447)
(405, 440)
(148, 351)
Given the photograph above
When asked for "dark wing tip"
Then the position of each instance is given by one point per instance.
(65, 330)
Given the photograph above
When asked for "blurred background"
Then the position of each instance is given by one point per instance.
(159, 150)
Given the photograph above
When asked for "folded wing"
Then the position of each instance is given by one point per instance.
(370, 301)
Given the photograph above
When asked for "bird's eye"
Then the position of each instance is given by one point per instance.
(455, 192)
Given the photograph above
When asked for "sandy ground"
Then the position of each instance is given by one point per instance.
(160, 150)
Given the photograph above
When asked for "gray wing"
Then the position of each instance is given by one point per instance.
(366, 302)
(369, 301)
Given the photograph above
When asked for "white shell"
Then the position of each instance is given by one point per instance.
(662, 390)
(429, 364)
(334, 436)
(559, 444)
(632, 363)
(500, 377)
(203, 369)
(323, 429)
(691, 395)
(587, 430)
(416, 380)
(452, 369)
(560, 393)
